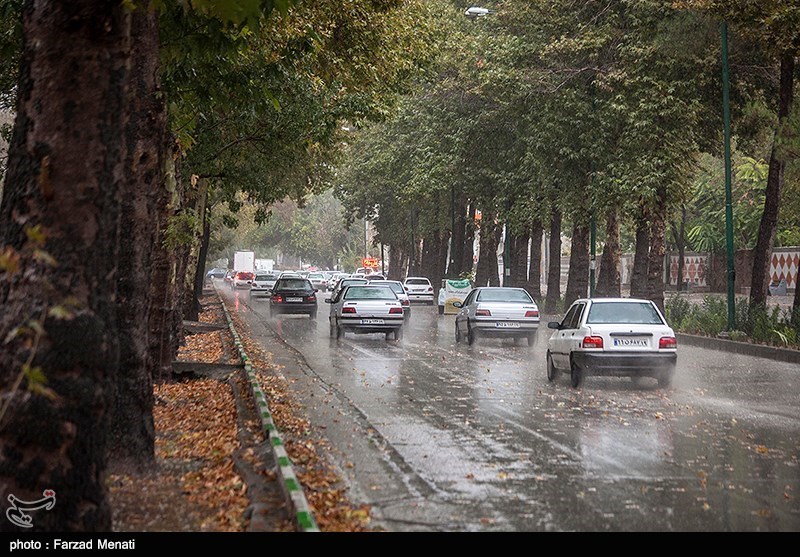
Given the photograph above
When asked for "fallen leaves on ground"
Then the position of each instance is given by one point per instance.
(321, 482)
(195, 486)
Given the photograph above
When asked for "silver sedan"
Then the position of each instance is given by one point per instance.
(497, 312)
(364, 309)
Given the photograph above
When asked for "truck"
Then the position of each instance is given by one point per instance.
(265, 265)
(244, 261)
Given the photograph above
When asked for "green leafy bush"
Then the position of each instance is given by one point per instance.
(757, 324)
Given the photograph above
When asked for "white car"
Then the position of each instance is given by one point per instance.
(318, 280)
(400, 292)
(335, 278)
(623, 337)
(497, 312)
(364, 309)
(263, 284)
(419, 289)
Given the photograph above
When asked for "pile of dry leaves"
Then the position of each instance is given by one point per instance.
(195, 486)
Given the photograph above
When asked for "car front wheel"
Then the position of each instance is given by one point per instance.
(458, 334)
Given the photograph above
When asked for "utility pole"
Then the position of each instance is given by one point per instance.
(726, 116)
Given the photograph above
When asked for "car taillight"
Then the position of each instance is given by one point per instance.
(405, 302)
(430, 289)
(667, 342)
(592, 342)
(532, 313)
(312, 298)
(405, 288)
(483, 313)
(348, 310)
(278, 299)
(395, 310)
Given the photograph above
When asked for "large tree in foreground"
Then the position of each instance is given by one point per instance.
(62, 197)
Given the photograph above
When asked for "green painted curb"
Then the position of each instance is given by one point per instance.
(276, 441)
(291, 484)
(284, 461)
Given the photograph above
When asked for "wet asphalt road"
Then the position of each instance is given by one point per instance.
(443, 437)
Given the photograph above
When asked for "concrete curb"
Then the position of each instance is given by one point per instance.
(292, 489)
(743, 348)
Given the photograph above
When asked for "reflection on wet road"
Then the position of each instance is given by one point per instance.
(443, 436)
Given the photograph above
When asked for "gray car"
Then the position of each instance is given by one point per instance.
(497, 312)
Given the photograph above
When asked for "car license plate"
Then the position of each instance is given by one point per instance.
(507, 325)
(630, 342)
(372, 321)
(294, 299)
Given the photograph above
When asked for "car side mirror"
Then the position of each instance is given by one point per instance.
(554, 325)
(458, 305)
(328, 301)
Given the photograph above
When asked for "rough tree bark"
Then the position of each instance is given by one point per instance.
(534, 284)
(578, 280)
(65, 174)
(554, 265)
(769, 218)
(196, 261)
(519, 258)
(459, 235)
(655, 264)
(608, 284)
(163, 284)
(496, 253)
(487, 261)
(395, 263)
(132, 437)
(640, 259)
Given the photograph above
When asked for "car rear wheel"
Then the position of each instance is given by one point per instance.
(398, 333)
(332, 329)
(531, 340)
(575, 375)
(665, 379)
(339, 331)
(313, 314)
(552, 371)
(472, 335)
(441, 310)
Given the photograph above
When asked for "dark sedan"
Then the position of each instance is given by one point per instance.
(293, 295)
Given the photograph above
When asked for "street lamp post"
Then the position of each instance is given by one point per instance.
(726, 116)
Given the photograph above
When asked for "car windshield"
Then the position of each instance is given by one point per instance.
(425, 282)
(504, 295)
(265, 277)
(639, 313)
(315, 276)
(396, 287)
(369, 293)
(349, 282)
(293, 284)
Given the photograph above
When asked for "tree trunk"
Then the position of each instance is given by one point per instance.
(554, 267)
(608, 284)
(459, 236)
(468, 261)
(163, 283)
(62, 194)
(487, 252)
(534, 284)
(640, 259)
(655, 265)
(395, 263)
(769, 218)
(578, 280)
(496, 252)
(519, 259)
(132, 439)
(680, 242)
(197, 260)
